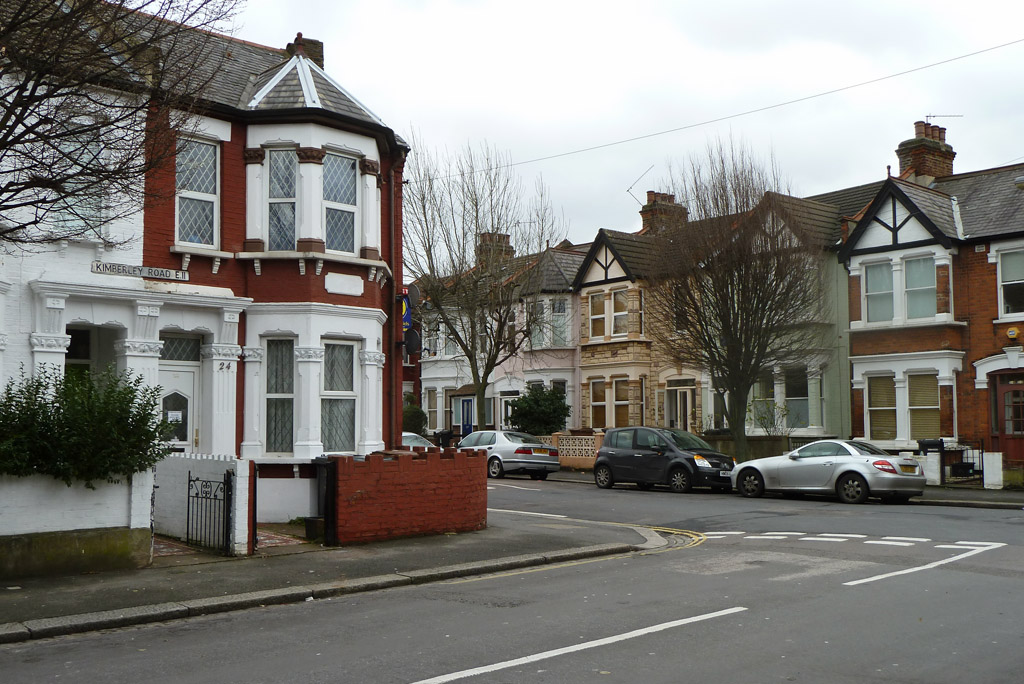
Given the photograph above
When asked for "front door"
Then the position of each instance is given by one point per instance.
(677, 408)
(179, 396)
(467, 416)
(1009, 414)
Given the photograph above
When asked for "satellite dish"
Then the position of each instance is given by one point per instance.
(412, 341)
(413, 293)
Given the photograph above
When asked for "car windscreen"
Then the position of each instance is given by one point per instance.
(521, 438)
(684, 439)
(869, 449)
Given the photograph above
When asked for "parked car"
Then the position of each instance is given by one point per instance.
(669, 456)
(850, 469)
(411, 439)
(513, 452)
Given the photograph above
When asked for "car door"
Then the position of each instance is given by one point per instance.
(652, 456)
(812, 468)
(618, 449)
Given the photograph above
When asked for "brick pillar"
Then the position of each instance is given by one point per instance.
(857, 412)
(942, 296)
(855, 298)
(946, 410)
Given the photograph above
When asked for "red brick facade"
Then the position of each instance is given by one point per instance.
(404, 494)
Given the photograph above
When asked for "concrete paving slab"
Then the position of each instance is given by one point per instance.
(11, 632)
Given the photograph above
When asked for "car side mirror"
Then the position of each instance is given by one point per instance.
(794, 457)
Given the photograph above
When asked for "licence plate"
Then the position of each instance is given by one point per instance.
(543, 452)
(724, 473)
(908, 469)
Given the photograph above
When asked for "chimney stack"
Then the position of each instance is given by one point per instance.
(310, 48)
(661, 212)
(491, 246)
(927, 153)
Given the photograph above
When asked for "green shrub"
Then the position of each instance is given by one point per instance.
(81, 426)
(413, 419)
(540, 411)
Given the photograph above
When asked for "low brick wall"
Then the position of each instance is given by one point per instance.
(405, 494)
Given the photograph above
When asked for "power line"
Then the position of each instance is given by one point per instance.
(767, 107)
(748, 112)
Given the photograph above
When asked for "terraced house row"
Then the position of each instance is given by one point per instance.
(925, 282)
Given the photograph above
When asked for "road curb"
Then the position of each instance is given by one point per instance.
(13, 632)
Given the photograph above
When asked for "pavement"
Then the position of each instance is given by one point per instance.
(184, 583)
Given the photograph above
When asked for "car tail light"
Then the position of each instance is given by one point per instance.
(554, 452)
(524, 450)
(885, 466)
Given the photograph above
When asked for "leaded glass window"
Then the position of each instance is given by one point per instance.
(196, 165)
(283, 173)
(340, 194)
(280, 370)
(180, 348)
(338, 399)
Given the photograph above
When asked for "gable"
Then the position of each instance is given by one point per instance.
(903, 215)
(603, 267)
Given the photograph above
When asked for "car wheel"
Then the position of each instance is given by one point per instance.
(750, 483)
(679, 480)
(539, 476)
(494, 468)
(603, 477)
(644, 486)
(852, 489)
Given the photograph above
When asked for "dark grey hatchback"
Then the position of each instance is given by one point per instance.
(669, 456)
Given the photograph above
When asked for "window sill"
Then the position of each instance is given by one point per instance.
(946, 319)
(1009, 318)
(378, 269)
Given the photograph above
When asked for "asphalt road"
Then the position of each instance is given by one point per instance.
(771, 590)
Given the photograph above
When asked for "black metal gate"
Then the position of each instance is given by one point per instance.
(208, 512)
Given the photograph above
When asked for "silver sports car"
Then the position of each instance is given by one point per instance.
(850, 469)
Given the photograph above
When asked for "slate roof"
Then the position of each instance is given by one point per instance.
(851, 201)
(818, 219)
(638, 252)
(937, 206)
(989, 201)
(556, 268)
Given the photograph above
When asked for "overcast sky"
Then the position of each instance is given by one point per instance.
(543, 78)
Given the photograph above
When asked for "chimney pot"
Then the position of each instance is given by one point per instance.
(942, 134)
(919, 129)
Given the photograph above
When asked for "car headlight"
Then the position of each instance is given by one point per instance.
(702, 462)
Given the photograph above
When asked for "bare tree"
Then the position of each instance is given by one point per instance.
(472, 233)
(94, 94)
(740, 285)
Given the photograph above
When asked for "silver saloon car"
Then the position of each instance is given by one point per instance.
(513, 452)
(850, 469)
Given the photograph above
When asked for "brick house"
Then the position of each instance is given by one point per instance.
(629, 379)
(936, 263)
(263, 297)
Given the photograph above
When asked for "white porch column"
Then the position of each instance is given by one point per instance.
(49, 341)
(779, 395)
(309, 366)
(371, 410)
(814, 417)
(5, 287)
(255, 202)
(217, 424)
(902, 408)
(141, 357)
(252, 445)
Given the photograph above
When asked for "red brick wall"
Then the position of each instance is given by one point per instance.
(408, 494)
(942, 288)
(904, 340)
(857, 414)
(945, 410)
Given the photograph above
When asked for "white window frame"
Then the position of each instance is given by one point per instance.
(268, 395)
(536, 311)
(327, 206)
(602, 404)
(327, 395)
(1000, 284)
(897, 261)
(615, 316)
(868, 409)
(293, 200)
(937, 407)
(616, 403)
(599, 296)
(560, 322)
(431, 403)
(198, 196)
(908, 290)
(891, 292)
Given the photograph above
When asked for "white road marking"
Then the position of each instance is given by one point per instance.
(908, 539)
(764, 536)
(525, 489)
(824, 539)
(840, 534)
(723, 533)
(793, 534)
(525, 660)
(970, 545)
(539, 515)
(890, 543)
(929, 566)
(979, 544)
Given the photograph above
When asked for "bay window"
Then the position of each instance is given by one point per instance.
(597, 404)
(338, 399)
(620, 398)
(923, 391)
(920, 287)
(280, 395)
(597, 315)
(620, 312)
(559, 323)
(340, 197)
(878, 292)
(197, 201)
(284, 165)
(882, 407)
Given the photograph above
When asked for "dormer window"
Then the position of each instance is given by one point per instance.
(284, 165)
(197, 205)
(340, 203)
